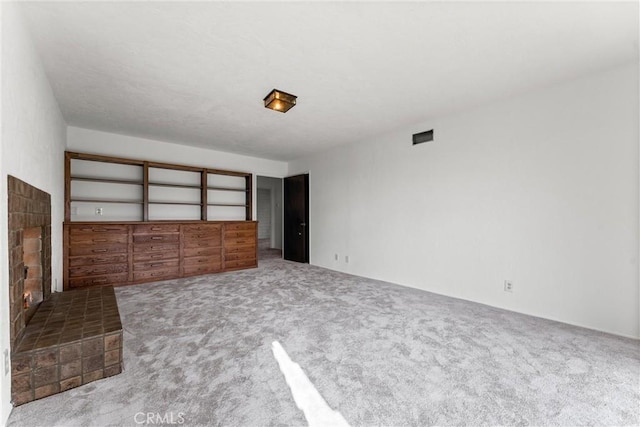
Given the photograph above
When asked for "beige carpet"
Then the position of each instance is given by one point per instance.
(199, 351)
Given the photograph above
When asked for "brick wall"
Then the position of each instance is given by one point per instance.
(29, 207)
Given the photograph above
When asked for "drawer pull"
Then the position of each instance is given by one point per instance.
(99, 240)
(157, 264)
(100, 250)
(156, 238)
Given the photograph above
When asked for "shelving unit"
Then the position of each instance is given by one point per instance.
(102, 188)
(133, 221)
(228, 195)
(174, 192)
(116, 188)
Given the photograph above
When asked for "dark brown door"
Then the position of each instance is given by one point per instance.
(296, 218)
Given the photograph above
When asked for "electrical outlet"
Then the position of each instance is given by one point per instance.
(346, 259)
(508, 286)
(6, 361)
(335, 257)
(99, 211)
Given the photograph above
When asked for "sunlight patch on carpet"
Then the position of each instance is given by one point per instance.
(307, 398)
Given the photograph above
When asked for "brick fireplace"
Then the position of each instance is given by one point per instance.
(30, 224)
(61, 340)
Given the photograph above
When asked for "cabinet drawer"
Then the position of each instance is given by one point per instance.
(98, 249)
(202, 243)
(156, 238)
(97, 260)
(156, 228)
(201, 228)
(201, 260)
(98, 270)
(241, 263)
(239, 233)
(113, 279)
(240, 249)
(239, 241)
(93, 238)
(215, 237)
(190, 270)
(192, 252)
(156, 274)
(153, 247)
(240, 226)
(239, 255)
(154, 256)
(155, 265)
(99, 228)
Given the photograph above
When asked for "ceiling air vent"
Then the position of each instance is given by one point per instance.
(419, 138)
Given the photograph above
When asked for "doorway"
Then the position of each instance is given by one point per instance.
(296, 218)
(269, 213)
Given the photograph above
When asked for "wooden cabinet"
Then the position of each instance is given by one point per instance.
(97, 255)
(240, 245)
(156, 251)
(202, 248)
(125, 253)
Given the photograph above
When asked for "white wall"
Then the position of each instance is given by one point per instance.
(541, 190)
(111, 144)
(31, 149)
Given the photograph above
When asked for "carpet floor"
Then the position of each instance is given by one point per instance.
(198, 352)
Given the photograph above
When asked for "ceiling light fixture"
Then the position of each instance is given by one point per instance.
(279, 101)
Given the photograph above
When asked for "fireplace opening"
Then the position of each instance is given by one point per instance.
(33, 278)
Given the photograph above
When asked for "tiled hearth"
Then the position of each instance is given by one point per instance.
(74, 338)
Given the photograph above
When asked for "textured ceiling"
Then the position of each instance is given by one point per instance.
(196, 73)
